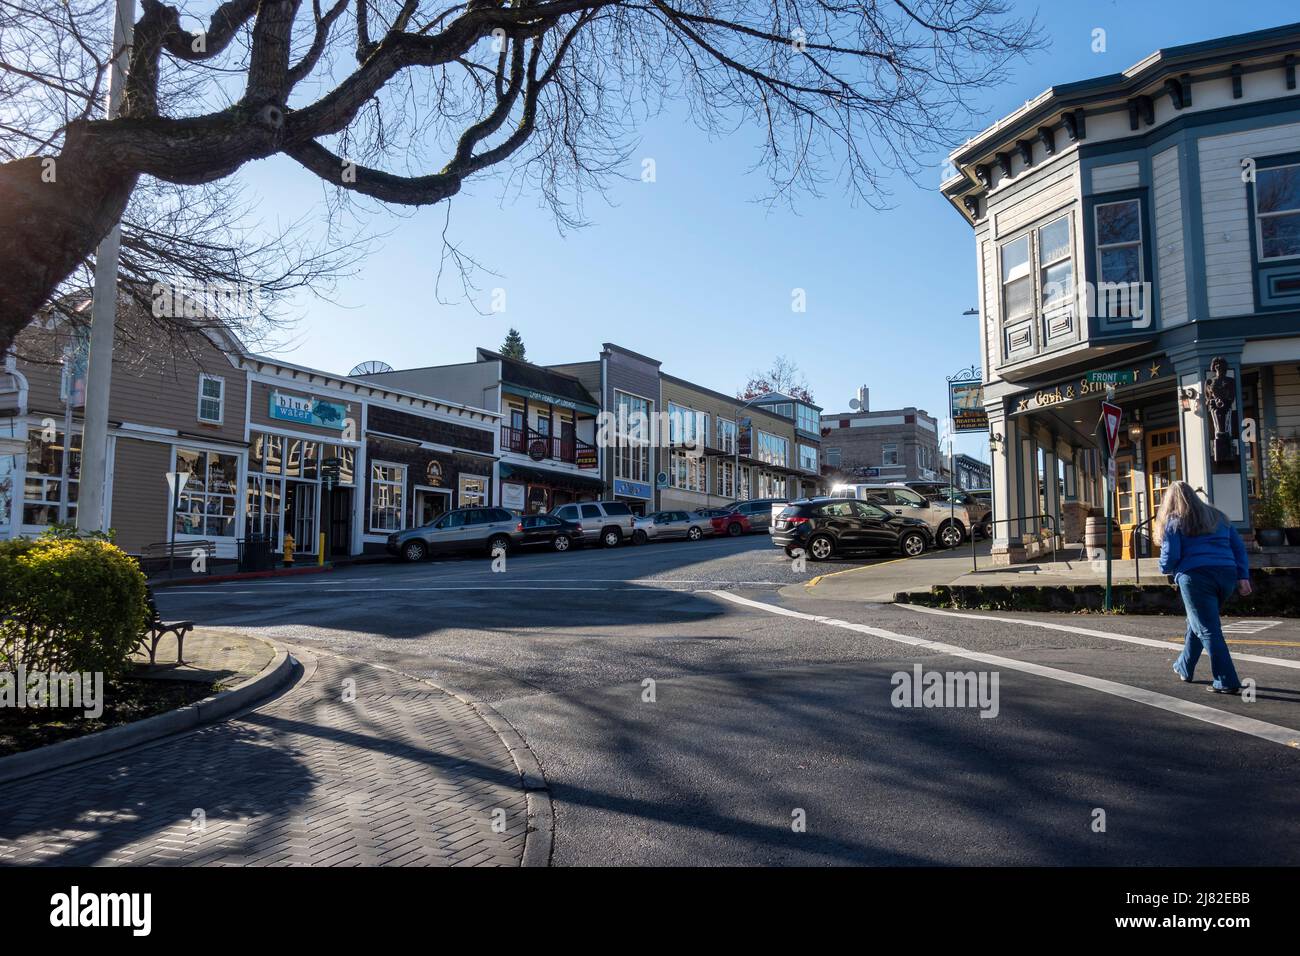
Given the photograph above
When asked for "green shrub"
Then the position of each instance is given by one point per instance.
(69, 603)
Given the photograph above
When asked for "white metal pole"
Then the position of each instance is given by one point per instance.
(94, 429)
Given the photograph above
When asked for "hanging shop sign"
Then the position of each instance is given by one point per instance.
(586, 456)
(1087, 387)
(304, 410)
(512, 495)
(966, 407)
(433, 473)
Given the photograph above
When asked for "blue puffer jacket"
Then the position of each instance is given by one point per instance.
(1222, 547)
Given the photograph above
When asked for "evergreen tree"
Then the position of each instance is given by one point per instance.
(513, 346)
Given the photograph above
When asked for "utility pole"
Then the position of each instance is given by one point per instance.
(103, 322)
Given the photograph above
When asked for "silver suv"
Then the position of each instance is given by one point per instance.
(463, 529)
(609, 522)
(948, 525)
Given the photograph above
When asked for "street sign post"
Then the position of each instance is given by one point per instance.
(1108, 431)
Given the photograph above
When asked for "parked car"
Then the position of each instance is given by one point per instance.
(462, 529)
(978, 505)
(733, 523)
(609, 522)
(534, 531)
(671, 524)
(948, 526)
(825, 527)
(757, 510)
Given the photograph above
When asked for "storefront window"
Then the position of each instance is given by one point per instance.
(43, 482)
(206, 505)
(632, 460)
(772, 449)
(7, 466)
(473, 490)
(688, 472)
(808, 458)
(727, 435)
(727, 479)
(387, 483)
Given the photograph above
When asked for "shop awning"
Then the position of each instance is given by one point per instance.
(543, 476)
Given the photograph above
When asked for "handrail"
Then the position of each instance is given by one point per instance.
(994, 522)
(1132, 543)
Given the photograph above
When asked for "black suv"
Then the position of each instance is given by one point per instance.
(824, 527)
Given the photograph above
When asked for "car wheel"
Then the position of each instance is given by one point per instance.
(913, 544)
(611, 537)
(499, 541)
(561, 542)
(415, 551)
(821, 547)
(951, 535)
(639, 537)
(695, 534)
(735, 530)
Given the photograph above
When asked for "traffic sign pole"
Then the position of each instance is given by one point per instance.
(1111, 415)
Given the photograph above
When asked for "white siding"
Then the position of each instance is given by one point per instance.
(1169, 250)
(1057, 189)
(1228, 277)
(990, 311)
(1107, 179)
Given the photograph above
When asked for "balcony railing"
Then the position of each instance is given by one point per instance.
(539, 447)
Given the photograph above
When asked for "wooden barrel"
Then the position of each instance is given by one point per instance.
(1094, 534)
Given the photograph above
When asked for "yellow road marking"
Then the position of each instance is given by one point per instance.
(813, 583)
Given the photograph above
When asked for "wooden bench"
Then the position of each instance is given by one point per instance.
(155, 629)
(160, 555)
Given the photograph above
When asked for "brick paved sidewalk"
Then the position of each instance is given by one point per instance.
(404, 775)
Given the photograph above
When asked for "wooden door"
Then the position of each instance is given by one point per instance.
(1163, 464)
(1126, 515)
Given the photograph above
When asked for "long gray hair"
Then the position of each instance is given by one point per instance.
(1184, 506)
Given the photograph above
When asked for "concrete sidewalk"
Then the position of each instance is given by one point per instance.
(878, 583)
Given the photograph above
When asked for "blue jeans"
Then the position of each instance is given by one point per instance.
(1204, 592)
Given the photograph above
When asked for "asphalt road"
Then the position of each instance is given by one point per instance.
(694, 703)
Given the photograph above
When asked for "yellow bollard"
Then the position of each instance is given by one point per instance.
(320, 552)
(288, 549)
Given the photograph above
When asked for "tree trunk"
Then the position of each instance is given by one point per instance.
(53, 213)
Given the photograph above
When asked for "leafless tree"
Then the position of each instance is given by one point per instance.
(404, 100)
(783, 376)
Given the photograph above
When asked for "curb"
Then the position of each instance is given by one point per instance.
(104, 742)
(239, 576)
(539, 838)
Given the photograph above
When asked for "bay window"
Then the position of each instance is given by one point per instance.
(1277, 212)
(1017, 280)
(1119, 257)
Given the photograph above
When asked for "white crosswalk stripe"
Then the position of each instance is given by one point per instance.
(1248, 626)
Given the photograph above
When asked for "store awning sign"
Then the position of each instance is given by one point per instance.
(305, 410)
(966, 407)
(1090, 385)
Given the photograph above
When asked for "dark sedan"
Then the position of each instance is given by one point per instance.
(547, 531)
(825, 527)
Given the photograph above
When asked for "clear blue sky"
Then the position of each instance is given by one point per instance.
(692, 270)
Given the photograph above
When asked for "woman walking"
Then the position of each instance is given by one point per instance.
(1207, 559)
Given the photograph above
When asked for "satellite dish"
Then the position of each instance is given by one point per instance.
(854, 404)
(373, 367)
